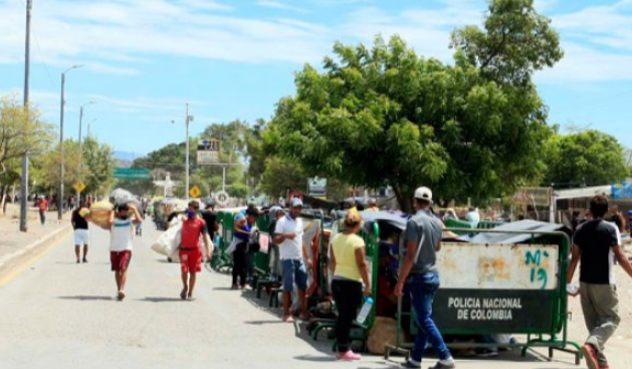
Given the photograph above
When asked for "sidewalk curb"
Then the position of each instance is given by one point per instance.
(23, 254)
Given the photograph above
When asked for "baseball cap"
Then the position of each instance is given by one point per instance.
(423, 193)
(296, 203)
(372, 201)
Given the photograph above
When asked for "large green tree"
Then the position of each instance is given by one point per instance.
(588, 158)
(98, 166)
(386, 116)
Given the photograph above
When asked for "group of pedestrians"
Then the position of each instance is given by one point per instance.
(419, 280)
(122, 222)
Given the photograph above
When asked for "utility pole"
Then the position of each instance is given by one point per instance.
(188, 119)
(24, 188)
(80, 145)
(60, 196)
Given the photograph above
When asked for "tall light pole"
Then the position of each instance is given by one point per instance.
(90, 123)
(60, 197)
(24, 184)
(188, 119)
(80, 143)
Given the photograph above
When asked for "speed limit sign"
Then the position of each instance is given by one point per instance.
(221, 198)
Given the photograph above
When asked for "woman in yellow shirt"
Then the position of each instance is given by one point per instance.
(350, 269)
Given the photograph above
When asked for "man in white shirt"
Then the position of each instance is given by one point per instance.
(288, 234)
(121, 226)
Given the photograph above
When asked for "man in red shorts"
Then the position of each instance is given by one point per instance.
(121, 226)
(193, 228)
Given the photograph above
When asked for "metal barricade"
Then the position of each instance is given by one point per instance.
(501, 289)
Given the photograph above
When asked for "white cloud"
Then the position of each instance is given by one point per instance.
(114, 36)
(132, 29)
(280, 5)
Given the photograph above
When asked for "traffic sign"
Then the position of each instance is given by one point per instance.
(222, 198)
(79, 186)
(195, 192)
(208, 152)
(131, 173)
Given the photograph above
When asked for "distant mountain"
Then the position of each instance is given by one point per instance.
(127, 156)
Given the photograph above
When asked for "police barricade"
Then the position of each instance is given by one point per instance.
(489, 224)
(222, 260)
(494, 288)
(463, 225)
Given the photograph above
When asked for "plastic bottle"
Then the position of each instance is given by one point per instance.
(364, 312)
(572, 288)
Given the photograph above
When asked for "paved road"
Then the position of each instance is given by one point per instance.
(63, 315)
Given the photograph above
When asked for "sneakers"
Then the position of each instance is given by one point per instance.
(120, 296)
(486, 353)
(590, 354)
(183, 294)
(288, 319)
(445, 364)
(348, 356)
(411, 365)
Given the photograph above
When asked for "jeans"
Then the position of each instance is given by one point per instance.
(239, 264)
(422, 289)
(348, 297)
(42, 215)
(294, 271)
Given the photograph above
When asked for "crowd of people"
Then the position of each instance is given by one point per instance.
(597, 247)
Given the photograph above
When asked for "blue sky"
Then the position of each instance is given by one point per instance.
(144, 59)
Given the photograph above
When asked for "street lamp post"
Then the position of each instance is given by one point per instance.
(90, 123)
(60, 197)
(80, 144)
(188, 119)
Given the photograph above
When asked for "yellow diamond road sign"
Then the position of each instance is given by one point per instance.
(195, 192)
(79, 186)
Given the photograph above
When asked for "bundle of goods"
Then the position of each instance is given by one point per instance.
(100, 213)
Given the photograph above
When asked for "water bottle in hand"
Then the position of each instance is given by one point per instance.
(365, 311)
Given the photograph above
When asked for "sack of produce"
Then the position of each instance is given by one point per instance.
(121, 196)
(100, 212)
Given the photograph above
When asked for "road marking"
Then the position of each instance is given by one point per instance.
(29, 263)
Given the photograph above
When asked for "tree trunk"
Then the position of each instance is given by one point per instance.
(3, 199)
(404, 199)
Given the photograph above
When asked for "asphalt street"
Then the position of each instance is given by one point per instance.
(57, 314)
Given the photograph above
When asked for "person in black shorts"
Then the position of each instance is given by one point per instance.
(596, 245)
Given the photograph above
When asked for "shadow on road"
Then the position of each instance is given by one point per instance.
(87, 298)
(162, 299)
(264, 322)
(315, 359)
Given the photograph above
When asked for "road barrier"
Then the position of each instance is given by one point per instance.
(500, 289)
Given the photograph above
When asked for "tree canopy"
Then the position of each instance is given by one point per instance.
(588, 158)
(386, 116)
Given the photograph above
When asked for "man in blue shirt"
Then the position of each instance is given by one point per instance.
(422, 241)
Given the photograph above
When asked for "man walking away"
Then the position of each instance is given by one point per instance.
(617, 218)
(82, 235)
(42, 206)
(419, 273)
(288, 234)
(193, 228)
(596, 245)
(210, 218)
(121, 226)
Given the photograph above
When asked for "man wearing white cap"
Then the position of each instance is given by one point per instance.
(422, 241)
(288, 234)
